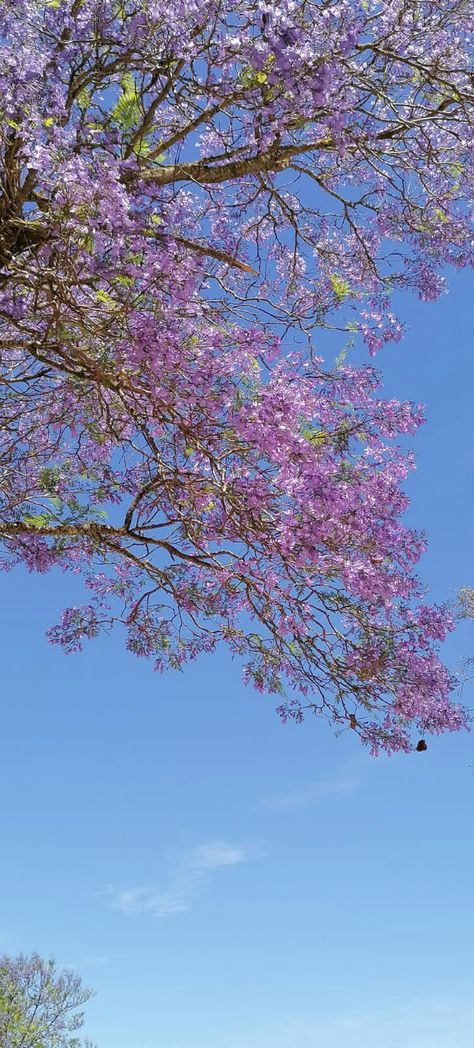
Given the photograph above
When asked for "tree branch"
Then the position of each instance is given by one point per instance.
(207, 173)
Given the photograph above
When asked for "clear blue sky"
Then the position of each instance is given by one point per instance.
(223, 881)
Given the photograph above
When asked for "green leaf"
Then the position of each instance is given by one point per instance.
(142, 148)
(340, 286)
(88, 243)
(127, 111)
(124, 281)
(83, 98)
(49, 479)
(158, 160)
(37, 520)
(103, 296)
(315, 436)
(251, 77)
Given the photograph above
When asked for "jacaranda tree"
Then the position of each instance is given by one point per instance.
(191, 192)
(39, 1005)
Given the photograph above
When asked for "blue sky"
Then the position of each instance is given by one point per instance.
(223, 881)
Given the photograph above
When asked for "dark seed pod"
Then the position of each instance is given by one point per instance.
(421, 745)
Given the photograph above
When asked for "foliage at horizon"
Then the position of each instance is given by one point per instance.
(39, 1005)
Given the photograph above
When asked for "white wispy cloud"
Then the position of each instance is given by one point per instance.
(191, 876)
(152, 900)
(312, 792)
(215, 854)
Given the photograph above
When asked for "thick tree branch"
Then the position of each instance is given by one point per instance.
(104, 534)
(207, 173)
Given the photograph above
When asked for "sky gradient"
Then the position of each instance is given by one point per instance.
(223, 881)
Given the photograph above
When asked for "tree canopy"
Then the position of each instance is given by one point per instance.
(39, 1005)
(191, 194)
